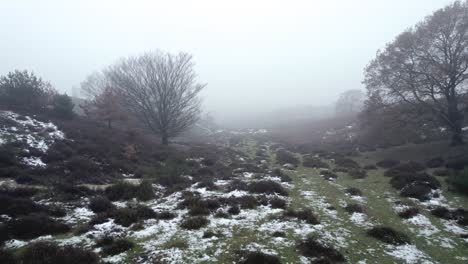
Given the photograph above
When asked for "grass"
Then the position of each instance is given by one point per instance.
(379, 195)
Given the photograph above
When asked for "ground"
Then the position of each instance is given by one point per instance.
(227, 237)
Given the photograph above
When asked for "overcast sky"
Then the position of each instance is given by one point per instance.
(253, 54)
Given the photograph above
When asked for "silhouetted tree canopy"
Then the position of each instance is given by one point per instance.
(160, 89)
(24, 91)
(426, 66)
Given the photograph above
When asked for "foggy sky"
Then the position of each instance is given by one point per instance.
(255, 55)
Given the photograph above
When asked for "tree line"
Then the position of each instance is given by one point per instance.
(421, 77)
(157, 91)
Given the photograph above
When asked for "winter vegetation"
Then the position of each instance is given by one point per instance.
(141, 174)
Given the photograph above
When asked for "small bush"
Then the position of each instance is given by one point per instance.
(117, 246)
(354, 208)
(35, 225)
(459, 215)
(120, 191)
(441, 172)
(7, 156)
(128, 216)
(459, 181)
(210, 234)
(370, 167)
(166, 215)
(204, 172)
(221, 214)
(267, 187)
(458, 163)
(278, 234)
(258, 258)
(20, 192)
(328, 175)
(247, 202)
(199, 206)
(199, 209)
(435, 162)
(49, 253)
(207, 183)
(401, 181)
(442, 212)
(195, 222)
(234, 210)
(405, 169)
(283, 176)
(126, 191)
(277, 202)
(305, 214)
(69, 192)
(100, 204)
(387, 163)
(237, 185)
(353, 191)
(313, 162)
(312, 248)
(284, 157)
(418, 190)
(388, 235)
(346, 163)
(357, 173)
(22, 206)
(409, 213)
(99, 219)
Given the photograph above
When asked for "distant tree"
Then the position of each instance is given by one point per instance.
(350, 102)
(24, 91)
(102, 102)
(62, 106)
(427, 66)
(160, 89)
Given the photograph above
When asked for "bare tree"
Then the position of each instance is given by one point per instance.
(94, 85)
(350, 102)
(160, 89)
(102, 103)
(427, 65)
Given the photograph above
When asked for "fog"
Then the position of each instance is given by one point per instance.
(256, 56)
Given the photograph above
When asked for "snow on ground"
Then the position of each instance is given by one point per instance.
(360, 219)
(409, 254)
(425, 227)
(36, 134)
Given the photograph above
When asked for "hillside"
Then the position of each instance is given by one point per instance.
(242, 200)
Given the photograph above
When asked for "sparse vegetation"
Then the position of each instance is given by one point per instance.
(92, 178)
(45, 252)
(195, 222)
(312, 248)
(267, 187)
(388, 235)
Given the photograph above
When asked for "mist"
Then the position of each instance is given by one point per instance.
(256, 57)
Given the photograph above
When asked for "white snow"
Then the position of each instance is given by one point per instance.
(36, 134)
(408, 253)
(33, 161)
(360, 219)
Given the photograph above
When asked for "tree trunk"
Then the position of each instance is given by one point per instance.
(164, 138)
(109, 125)
(456, 122)
(457, 136)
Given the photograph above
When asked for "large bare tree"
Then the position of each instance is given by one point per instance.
(427, 66)
(160, 89)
